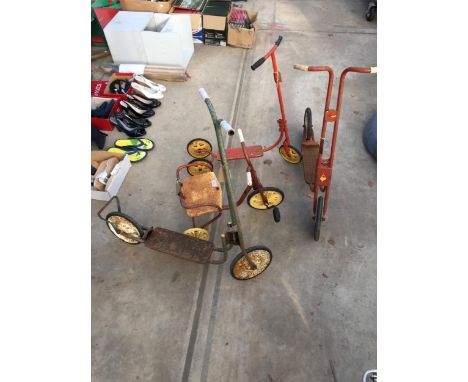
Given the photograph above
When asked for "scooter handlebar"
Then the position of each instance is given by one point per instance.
(373, 69)
(227, 127)
(203, 93)
(264, 58)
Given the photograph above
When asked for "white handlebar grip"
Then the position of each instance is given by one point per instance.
(249, 178)
(373, 69)
(203, 93)
(227, 127)
(241, 136)
(305, 68)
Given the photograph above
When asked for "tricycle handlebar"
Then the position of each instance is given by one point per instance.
(227, 127)
(203, 93)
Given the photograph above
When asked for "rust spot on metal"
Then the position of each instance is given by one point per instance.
(370, 183)
(331, 242)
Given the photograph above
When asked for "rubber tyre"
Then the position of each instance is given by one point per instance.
(130, 220)
(255, 192)
(199, 160)
(248, 250)
(309, 133)
(318, 218)
(276, 214)
(369, 136)
(371, 13)
(200, 156)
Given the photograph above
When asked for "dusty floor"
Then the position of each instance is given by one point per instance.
(312, 315)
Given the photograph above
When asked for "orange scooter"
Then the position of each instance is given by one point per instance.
(318, 170)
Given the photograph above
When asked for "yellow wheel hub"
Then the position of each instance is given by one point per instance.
(274, 199)
(261, 259)
(200, 167)
(125, 226)
(199, 233)
(199, 148)
(294, 155)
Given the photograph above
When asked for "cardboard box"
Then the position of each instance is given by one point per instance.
(147, 6)
(150, 38)
(104, 123)
(242, 37)
(116, 180)
(215, 15)
(214, 37)
(196, 24)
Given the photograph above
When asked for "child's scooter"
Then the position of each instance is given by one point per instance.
(318, 170)
(199, 195)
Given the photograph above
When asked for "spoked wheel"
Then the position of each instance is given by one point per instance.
(274, 196)
(295, 155)
(260, 255)
(200, 166)
(199, 148)
(318, 218)
(199, 233)
(308, 132)
(124, 224)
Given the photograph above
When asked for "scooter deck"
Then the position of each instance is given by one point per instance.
(310, 152)
(179, 245)
(237, 153)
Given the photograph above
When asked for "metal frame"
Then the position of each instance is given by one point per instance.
(324, 166)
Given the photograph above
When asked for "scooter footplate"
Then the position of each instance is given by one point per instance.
(179, 245)
(310, 153)
(236, 153)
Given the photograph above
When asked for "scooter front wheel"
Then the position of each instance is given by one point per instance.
(118, 222)
(260, 255)
(295, 156)
(318, 218)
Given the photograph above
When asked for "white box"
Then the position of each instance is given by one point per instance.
(150, 38)
(114, 182)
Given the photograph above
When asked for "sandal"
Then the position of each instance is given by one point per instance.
(142, 144)
(133, 154)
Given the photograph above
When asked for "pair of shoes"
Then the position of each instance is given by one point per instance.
(150, 84)
(104, 172)
(103, 110)
(129, 127)
(143, 102)
(148, 88)
(98, 137)
(136, 111)
(136, 149)
(141, 122)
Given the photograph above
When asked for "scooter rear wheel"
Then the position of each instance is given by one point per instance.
(294, 158)
(125, 224)
(199, 148)
(259, 254)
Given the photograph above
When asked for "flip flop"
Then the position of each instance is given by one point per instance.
(142, 144)
(133, 154)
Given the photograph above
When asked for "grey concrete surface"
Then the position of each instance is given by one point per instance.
(312, 315)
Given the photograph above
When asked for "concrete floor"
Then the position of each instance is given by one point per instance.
(312, 315)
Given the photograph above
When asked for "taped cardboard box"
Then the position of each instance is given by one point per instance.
(115, 181)
(215, 15)
(242, 37)
(147, 6)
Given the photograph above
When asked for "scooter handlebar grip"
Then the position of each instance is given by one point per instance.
(280, 38)
(227, 127)
(373, 69)
(305, 68)
(258, 63)
(249, 178)
(241, 136)
(203, 93)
